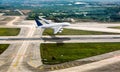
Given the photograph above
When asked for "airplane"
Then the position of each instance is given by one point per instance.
(57, 27)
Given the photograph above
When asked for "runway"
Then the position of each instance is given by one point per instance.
(57, 38)
(94, 26)
(61, 39)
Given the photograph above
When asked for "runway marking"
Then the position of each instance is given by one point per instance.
(56, 67)
(68, 65)
(52, 68)
(1, 63)
(62, 66)
(16, 63)
(72, 64)
(41, 67)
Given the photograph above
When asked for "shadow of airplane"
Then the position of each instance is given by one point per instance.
(53, 38)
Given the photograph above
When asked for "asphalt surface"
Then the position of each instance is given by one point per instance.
(102, 38)
(101, 27)
(76, 37)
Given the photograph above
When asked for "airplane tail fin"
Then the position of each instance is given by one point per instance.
(38, 22)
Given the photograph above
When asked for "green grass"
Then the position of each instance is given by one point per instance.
(9, 31)
(117, 27)
(3, 47)
(76, 32)
(8, 19)
(52, 53)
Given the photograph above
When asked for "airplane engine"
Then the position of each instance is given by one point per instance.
(60, 31)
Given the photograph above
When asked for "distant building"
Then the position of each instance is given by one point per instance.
(26, 11)
(78, 3)
(68, 19)
(119, 13)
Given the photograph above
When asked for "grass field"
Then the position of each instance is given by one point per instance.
(9, 31)
(3, 47)
(76, 32)
(59, 53)
(8, 19)
(117, 27)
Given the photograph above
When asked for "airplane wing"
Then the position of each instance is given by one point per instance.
(57, 29)
(46, 21)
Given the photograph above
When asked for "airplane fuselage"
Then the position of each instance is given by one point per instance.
(55, 25)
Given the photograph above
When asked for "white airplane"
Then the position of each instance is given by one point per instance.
(57, 27)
